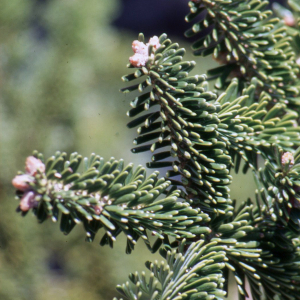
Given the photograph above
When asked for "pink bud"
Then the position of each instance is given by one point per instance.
(289, 20)
(287, 158)
(141, 56)
(154, 41)
(28, 201)
(139, 47)
(98, 209)
(138, 60)
(21, 182)
(33, 164)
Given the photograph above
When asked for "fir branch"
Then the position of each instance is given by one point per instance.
(276, 269)
(249, 128)
(261, 250)
(279, 186)
(105, 195)
(249, 43)
(237, 123)
(195, 272)
(188, 126)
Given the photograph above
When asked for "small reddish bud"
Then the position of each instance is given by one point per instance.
(21, 182)
(98, 209)
(33, 164)
(289, 20)
(28, 201)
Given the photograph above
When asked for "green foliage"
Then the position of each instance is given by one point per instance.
(278, 187)
(200, 136)
(192, 273)
(261, 250)
(110, 196)
(188, 113)
(249, 42)
(230, 124)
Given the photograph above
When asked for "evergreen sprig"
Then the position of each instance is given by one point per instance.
(249, 42)
(249, 128)
(261, 250)
(279, 186)
(202, 131)
(187, 126)
(110, 196)
(192, 273)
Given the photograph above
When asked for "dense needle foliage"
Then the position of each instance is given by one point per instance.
(250, 123)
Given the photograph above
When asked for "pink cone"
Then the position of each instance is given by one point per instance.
(33, 164)
(28, 201)
(21, 182)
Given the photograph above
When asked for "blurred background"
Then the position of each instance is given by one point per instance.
(60, 67)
